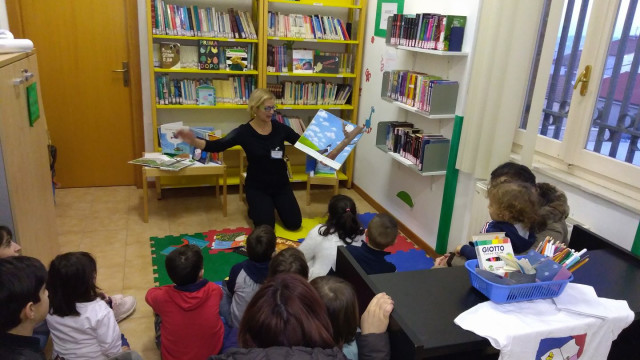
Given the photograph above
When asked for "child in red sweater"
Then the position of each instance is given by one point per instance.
(191, 326)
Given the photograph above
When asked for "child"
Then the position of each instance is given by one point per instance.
(246, 277)
(8, 247)
(121, 305)
(381, 233)
(191, 326)
(25, 304)
(342, 307)
(341, 228)
(289, 260)
(513, 207)
(82, 325)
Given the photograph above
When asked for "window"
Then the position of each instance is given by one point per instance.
(596, 131)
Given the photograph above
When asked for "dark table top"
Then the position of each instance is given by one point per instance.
(427, 301)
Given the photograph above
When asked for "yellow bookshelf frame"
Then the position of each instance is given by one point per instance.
(259, 13)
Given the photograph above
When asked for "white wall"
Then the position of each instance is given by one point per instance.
(380, 176)
(4, 22)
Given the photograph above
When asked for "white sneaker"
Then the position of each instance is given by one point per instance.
(122, 306)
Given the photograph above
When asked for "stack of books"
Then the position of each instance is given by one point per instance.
(310, 93)
(233, 90)
(307, 26)
(177, 20)
(417, 89)
(427, 31)
(429, 152)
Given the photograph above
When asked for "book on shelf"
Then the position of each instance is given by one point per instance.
(170, 55)
(302, 61)
(194, 20)
(329, 139)
(209, 55)
(307, 26)
(489, 247)
(310, 93)
(206, 95)
(424, 92)
(237, 58)
(427, 31)
(277, 58)
(326, 63)
(163, 162)
(293, 122)
(233, 90)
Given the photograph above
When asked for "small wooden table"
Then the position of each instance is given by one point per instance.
(209, 169)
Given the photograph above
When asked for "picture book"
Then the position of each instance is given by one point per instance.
(302, 61)
(329, 139)
(324, 170)
(209, 58)
(489, 247)
(281, 244)
(169, 142)
(186, 240)
(229, 240)
(236, 59)
(206, 95)
(326, 63)
(170, 55)
(162, 162)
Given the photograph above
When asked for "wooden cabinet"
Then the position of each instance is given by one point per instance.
(26, 190)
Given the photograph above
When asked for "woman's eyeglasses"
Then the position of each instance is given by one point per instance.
(269, 108)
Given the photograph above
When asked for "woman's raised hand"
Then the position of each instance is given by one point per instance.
(186, 135)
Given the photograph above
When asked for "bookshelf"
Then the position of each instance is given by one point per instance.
(351, 11)
(429, 96)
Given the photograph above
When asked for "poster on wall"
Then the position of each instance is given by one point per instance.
(385, 9)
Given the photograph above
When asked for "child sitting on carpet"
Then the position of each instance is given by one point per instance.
(246, 277)
(82, 325)
(342, 306)
(381, 233)
(191, 326)
(289, 260)
(341, 228)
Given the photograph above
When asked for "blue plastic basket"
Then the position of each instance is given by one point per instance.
(504, 294)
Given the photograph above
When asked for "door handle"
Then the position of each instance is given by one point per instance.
(583, 79)
(125, 73)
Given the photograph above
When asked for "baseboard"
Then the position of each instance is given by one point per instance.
(402, 227)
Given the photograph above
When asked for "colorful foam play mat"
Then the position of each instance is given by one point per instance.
(224, 248)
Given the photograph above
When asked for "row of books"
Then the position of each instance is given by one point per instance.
(179, 20)
(305, 61)
(310, 93)
(293, 122)
(426, 151)
(427, 31)
(234, 90)
(413, 88)
(208, 55)
(307, 26)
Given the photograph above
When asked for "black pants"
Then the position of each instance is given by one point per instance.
(262, 204)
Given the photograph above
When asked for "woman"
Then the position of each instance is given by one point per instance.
(262, 139)
(286, 319)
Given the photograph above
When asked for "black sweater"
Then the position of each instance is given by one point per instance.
(263, 172)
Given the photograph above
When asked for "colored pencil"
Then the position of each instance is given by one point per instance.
(578, 264)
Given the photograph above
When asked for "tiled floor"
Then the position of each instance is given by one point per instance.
(107, 222)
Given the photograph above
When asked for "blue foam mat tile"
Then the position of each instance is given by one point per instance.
(410, 260)
(365, 218)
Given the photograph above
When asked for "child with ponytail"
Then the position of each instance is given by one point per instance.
(341, 228)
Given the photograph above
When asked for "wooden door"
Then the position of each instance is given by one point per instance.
(26, 161)
(89, 110)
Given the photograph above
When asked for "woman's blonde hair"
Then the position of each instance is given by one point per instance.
(257, 98)
(515, 202)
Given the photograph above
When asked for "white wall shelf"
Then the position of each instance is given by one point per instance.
(433, 52)
(419, 112)
(408, 163)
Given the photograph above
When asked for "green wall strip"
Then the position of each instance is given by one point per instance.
(450, 185)
(635, 248)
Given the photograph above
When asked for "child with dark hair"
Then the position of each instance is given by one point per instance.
(510, 172)
(513, 207)
(289, 260)
(381, 233)
(25, 304)
(82, 325)
(246, 277)
(191, 326)
(342, 306)
(341, 228)
(8, 247)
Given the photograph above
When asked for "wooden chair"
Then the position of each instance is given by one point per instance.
(322, 180)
